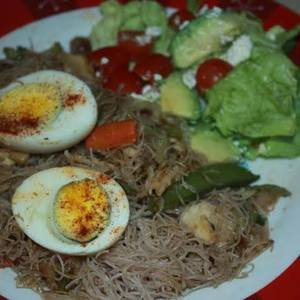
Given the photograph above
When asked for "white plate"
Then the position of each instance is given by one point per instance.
(284, 221)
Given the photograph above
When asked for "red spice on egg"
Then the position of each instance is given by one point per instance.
(16, 126)
(103, 179)
(73, 99)
(89, 217)
(83, 231)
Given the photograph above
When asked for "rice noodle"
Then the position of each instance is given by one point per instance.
(156, 257)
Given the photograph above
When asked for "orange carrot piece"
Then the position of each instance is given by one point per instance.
(113, 135)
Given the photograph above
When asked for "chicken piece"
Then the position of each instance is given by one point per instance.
(163, 179)
(78, 65)
(197, 219)
(210, 222)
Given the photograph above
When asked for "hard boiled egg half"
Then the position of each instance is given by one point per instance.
(71, 210)
(46, 111)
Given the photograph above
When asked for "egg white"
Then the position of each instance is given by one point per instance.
(33, 201)
(71, 125)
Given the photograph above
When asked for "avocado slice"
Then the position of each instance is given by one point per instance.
(177, 99)
(203, 36)
(210, 143)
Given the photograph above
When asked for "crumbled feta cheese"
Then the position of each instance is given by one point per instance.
(184, 24)
(214, 12)
(170, 11)
(104, 61)
(144, 39)
(131, 65)
(149, 93)
(239, 51)
(202, 10)
(146, 89)
(224, 39)
(189, 78)
(153, 31)
(217, 10)
(157, 77)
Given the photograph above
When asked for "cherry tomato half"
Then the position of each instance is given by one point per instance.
(153, 64)
(107, 59)
(135, 43)
(179, 17)
(123, 82)
(210, 72)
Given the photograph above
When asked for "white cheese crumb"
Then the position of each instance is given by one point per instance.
(239, 51)
(144, 39)
(184, 24)
(149, 93)
(153, 31)
(104, 61)
(214, 12)
(146, 89)
(189, 78)
(224, 39)
(202, 10)
(157, 77)
(170, 11)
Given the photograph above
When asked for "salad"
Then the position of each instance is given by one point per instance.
(121, 173)
(217, 69)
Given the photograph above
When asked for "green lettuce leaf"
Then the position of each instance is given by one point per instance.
(162, 44)
(253, 26)
(153, 14)
(288, 147)
(257, 98)
(286, 39)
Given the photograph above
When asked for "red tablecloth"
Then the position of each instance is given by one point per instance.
(15, 13)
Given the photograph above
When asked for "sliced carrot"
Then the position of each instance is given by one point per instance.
(113, 135)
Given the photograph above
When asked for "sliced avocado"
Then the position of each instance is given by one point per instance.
(177, 99)
(203, 36)
(210, 143)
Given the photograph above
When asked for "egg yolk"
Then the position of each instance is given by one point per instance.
(27, 107)
(81, 210)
